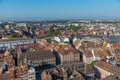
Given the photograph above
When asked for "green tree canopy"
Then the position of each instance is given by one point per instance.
(13, 35)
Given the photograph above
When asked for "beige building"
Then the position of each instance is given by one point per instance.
(36, 54)
(88, 57)
(25, 73)
(67, 54)
(7, 27)
(107, 69)
(21, 24)
(69, 57)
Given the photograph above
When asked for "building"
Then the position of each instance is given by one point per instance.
(8, 75)
(11, 43)
(25, 73)
(73, 71)
(88, 57)
(100, 53)
(21, 25)
(30, 75)
(62, 39)
(65, 53)
(76, 43)
(46, 76)
(7, 27)
(7, 58)
(35, 54)
(10, 61)
(2, 66)
(41, 33)
(117, 58)
(73, 24)
(61, 74)
(107, 69)
(87, 42)
(112, 77)
(95, 40)
(76, 76)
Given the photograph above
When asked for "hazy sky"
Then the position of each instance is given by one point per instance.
(58, 9)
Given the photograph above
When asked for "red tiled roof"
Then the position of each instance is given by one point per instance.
(116, 45)
(88, 53)
(108, 67)
(63, 51)
(76, 43)
(50, 46)
(102, 51)
(64, 48)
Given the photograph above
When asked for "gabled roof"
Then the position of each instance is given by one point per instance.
(101, 51)
(88, 53)
(108, 67)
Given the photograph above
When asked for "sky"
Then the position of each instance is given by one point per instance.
(59, 9)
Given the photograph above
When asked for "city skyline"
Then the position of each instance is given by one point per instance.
(59, 9)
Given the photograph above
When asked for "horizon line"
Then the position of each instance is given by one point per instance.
(66, 18)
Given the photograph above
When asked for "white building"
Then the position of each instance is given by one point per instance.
(61, 39)
(57, 39)
(14, 42)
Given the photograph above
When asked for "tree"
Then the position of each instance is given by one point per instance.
(13, 35)
(92, 63)
(52, 32)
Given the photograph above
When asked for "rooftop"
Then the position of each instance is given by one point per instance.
(88, 53)
(101, 51)
(108, 67)
(65, 48)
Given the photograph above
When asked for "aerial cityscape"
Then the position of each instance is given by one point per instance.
(59, 39)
